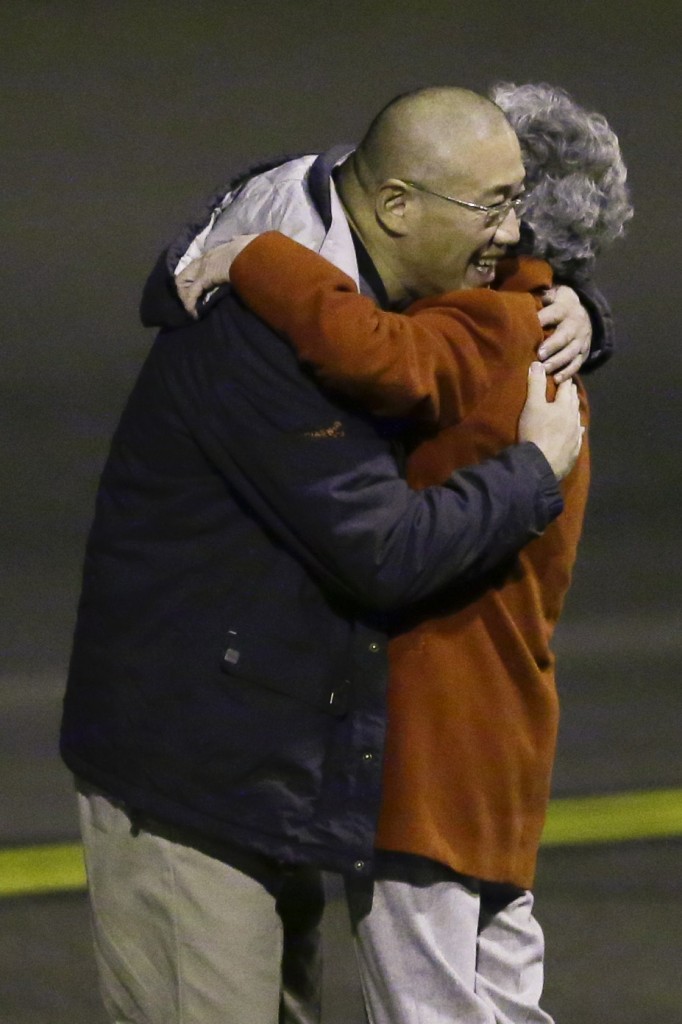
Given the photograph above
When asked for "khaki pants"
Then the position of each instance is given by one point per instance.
(191, 933)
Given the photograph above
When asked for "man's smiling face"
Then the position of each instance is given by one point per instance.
(450, 246)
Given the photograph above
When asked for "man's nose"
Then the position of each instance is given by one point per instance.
(507, 231)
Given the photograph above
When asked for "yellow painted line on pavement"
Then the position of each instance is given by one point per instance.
(656, 814)
(572, 821)
(35, 869)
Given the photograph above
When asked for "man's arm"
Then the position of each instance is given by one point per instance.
(584, 335)
(325, 482)
(603, 341)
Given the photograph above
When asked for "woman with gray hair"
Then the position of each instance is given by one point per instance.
(576, 201)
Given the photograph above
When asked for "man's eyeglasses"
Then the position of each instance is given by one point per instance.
(495, 213)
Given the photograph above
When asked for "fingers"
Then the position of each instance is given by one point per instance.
(572, 324)
(567, 397)
(564, 335)
(560, 298)
(570, 371)
(579, 442)
(566, 349)
(555, 312)
(537, 384)
(557, 358)
(189, 291)
(567, 394)
(211, 269)
(575, 328)
(551, 315)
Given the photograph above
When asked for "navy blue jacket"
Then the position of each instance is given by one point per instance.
(252, 542)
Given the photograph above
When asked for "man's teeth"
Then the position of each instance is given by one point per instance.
(485, 264)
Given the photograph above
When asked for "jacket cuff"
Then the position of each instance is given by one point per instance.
(550, 500)
(603, 328)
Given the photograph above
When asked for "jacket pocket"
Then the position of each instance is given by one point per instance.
(303, 668)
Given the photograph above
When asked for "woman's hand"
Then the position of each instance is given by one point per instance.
(210, 270)
(567, 348)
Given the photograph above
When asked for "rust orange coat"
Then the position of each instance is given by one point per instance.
(472, 707)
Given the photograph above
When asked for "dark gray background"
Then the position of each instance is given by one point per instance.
(117, 117)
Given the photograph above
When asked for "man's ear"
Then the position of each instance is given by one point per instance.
(392, 206)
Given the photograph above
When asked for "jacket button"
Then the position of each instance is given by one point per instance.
(359, 865)
(368, 756)
(374, 646)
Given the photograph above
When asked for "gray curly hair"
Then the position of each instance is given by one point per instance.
(577, 200)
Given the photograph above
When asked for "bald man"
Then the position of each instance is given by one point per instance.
(253, 543)
(421, 245)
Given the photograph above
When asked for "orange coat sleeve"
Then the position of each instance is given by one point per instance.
(436, 363)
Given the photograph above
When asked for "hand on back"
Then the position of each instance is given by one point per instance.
(568, 346)
(210, 270)
(554, 427)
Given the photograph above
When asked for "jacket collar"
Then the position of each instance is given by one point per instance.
(320, 178)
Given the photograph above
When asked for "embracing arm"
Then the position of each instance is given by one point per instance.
(603, 340)
(435, 364)
(584, 336)
(577, 315)
(324, 481)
